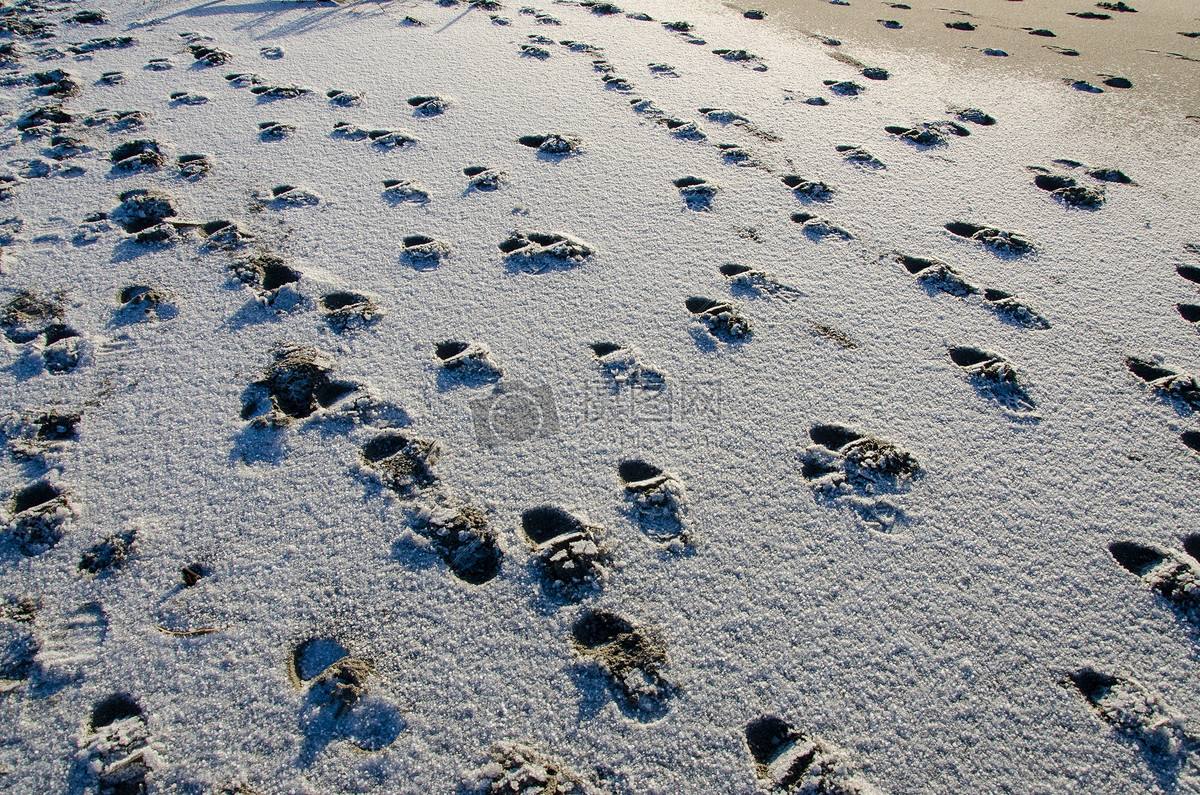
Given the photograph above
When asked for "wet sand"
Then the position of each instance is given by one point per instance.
(1145, 47)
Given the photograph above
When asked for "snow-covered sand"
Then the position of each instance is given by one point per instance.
(571, 405)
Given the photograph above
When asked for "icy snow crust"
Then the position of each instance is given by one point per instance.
(895, 580)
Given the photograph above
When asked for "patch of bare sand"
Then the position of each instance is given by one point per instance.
(1146, 46)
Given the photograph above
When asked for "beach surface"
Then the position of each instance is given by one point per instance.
(475, 397)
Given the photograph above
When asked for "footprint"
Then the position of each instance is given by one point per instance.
(117, 121)
(117, 750)
(463, 539)
(109, 554)
(533, 51)
(743, 58)
(343, 98)
(974, 116)
(1066, 190)
(66, 147)
(296, 385)
(187, 98)
(209, 56)
(141, 303)
(1137, 716)
(844, 88)
(427, 106)
(402, 462)
(19, 648)
(267, 93)
(42, 514)
(46, 120)
(484, 179)
(193, 167)
(537, 252)
(381, 139)
(192, 608)
(274, 130)
(632, 658)
(284, 196)
(859, 157)
(271, 53)
(144, 213)
(35, 436)
(600, 8)
(338, 705)
(1172, 384)
(1191, 439)
(55, 83)
(225, 235)
(27, 315)
(422, 251)
(399, 191)
(243, 79)
(1189, 272)
(1083, 85)
(808, 189)
(65, 350)
(518, 768)
(624, 367)
(997, 240)
(850, 467)
(935, 276)
(539, 16)
(345, 310)
(140, 155)
(663, 70)
(753, 283)
(1014, 310)
(465, 364)
(1171, 575)
(993, 377)
(656, 500)
(788, 760)
(723, 319)
(569, 555)
(553, 146)
(682, 129)
(928, 134)
(816, 228)
(159, 65)
(960, 25)
(728, 117)
(102, 43)
(1189, 312)
(697, 193)
(87, 17)
(71, 645)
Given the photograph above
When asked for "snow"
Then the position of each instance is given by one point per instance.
(932, 656)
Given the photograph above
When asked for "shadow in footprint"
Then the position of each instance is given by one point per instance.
(1172, 576)
(631, 661)
(993, 377)
(847, 467)
(568, 555)
(1140, 718)
(339, 708)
